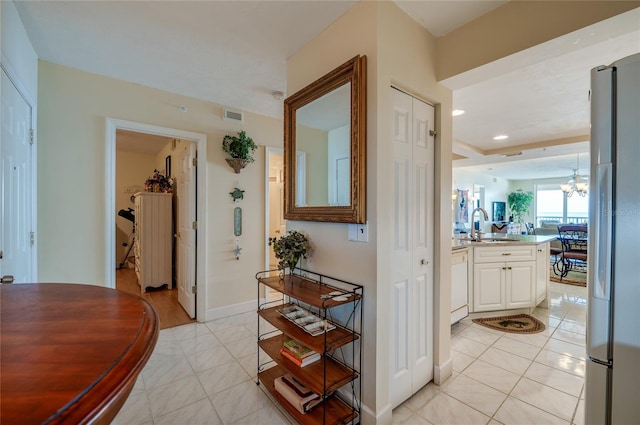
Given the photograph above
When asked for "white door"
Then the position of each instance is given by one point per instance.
(17, 187)
(186, 234)
(277, 223)
(412, 246)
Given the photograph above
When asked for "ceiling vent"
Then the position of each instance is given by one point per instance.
(229, 115)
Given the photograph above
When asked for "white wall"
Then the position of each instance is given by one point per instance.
(495, 189)
(74, 106)
(17, 52)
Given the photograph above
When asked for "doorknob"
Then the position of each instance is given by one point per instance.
(424, 262)
(6, 279)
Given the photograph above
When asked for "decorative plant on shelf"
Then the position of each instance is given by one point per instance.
(240, 148)
(159, 183)
(519, 204)
(289, 248)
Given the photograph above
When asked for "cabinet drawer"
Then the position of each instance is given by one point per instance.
(494, 254)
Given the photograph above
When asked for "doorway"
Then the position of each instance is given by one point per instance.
(18, 262)
(275, 224)
(198, 226)
(154, 238)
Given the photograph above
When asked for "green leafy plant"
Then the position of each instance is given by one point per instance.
(240, 146)
(159, 183)
(519, 203)
(289, 248)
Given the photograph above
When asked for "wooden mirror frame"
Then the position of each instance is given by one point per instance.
(355, 72)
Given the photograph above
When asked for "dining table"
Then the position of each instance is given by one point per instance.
(70, 353)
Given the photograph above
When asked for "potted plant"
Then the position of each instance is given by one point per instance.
(519, 204)
(240, 148)
(159, 183)
(289, 248)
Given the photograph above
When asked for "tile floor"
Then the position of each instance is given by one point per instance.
(502, 378)
(204, 373)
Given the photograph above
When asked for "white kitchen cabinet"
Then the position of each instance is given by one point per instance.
(500, 284)
(542, 272)
(459, 285)
(153, 239)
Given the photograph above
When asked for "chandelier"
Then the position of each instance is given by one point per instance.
(576, 184)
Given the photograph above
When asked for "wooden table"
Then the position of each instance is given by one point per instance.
(70, 353)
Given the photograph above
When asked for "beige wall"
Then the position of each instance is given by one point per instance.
(73, 108)
(352, 34)
(517, 26)
(315, 143)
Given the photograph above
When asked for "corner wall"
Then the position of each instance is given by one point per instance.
(399, 52)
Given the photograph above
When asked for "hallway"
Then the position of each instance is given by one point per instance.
(164, 301)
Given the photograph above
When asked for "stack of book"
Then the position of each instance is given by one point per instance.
(298, 353)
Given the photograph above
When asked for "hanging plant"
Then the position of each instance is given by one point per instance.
(240, 148)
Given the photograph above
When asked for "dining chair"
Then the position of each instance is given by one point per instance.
(574, 240)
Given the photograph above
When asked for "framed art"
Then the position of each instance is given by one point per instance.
(167, 166)
(499, 211)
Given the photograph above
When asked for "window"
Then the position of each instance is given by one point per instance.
(551, 204)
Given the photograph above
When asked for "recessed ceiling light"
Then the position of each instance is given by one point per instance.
(457, 112)
(501, 137)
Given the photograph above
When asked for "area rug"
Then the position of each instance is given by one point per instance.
(516, 323)
(573, 278)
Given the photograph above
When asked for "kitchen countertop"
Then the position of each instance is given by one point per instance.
(460, 241)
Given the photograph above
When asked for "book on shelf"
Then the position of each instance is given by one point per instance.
(297, 349)
(302, 362)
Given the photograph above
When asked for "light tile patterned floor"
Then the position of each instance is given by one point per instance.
(502, 378)
(204, 373)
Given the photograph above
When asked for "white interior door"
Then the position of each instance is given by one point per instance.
(17, 186)
(277, 223)
(412, 249)
(186, 234)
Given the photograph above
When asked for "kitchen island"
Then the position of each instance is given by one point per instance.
(506, 272)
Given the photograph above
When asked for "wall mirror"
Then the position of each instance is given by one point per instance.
(325, 147)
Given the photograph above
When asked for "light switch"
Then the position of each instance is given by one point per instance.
(363, 232)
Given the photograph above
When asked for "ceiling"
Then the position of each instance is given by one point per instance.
(197, 48)
(142, 143)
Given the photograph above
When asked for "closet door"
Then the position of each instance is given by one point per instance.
(412, 250)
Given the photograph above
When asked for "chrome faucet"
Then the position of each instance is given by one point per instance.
(473, 227)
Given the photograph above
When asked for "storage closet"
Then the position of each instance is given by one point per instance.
(411, 287)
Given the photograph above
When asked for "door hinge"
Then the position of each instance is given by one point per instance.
(194, 289)
(194, 225)
(32, 136)
(32, 238)
(194, 161)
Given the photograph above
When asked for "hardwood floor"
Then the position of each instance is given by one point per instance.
(163, 301)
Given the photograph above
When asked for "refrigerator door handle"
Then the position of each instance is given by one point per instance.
(602, 234)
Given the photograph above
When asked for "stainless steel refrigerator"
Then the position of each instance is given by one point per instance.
(612, 393)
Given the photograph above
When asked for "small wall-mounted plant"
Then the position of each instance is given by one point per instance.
(240, 148)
